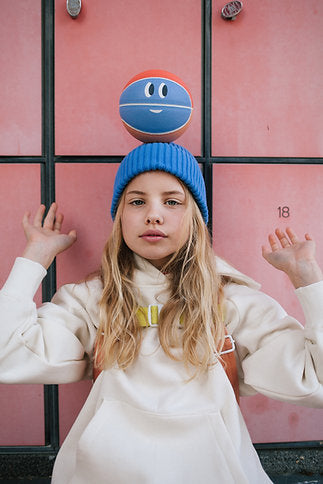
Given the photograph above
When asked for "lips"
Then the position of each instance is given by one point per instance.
(153, 235)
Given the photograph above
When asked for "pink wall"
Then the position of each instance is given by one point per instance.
(20, 77)
(97, 54)
(21, 406)
(266, 101)
(267, 79)
(246, 201)
(84, 191)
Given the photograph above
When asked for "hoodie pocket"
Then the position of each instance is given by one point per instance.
(123, 444)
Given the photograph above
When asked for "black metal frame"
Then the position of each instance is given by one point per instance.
(30, 457)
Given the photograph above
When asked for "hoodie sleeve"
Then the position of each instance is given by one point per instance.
(51, 344)
(278, 357)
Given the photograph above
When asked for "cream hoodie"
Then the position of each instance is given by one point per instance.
(148, 424)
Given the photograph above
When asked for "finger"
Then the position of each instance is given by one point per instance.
(73, 235)
(38, 219)
(273, 242)
(50, 217)
(283, 239)
(265, 251)
(58, 222)
(308, 237)
(25, 219)
(292, 235)
(71, 238)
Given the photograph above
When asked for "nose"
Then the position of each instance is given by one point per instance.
(154, 218)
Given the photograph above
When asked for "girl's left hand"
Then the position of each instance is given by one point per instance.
(293, 256)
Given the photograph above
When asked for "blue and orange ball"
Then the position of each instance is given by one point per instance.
(155, 105)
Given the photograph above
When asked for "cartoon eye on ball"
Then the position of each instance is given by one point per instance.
(155, 105)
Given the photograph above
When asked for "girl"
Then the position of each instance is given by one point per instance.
(162, 410)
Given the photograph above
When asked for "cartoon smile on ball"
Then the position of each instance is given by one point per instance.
(155, 105)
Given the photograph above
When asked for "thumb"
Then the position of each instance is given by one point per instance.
(72, 234)
(265, 251)
(25, 219)
(25, 222)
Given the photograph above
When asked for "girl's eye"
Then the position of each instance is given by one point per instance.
(172, 202)
(162, 90)
(136, 203)
(149, 89)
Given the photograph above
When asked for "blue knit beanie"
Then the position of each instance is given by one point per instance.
(168, 157)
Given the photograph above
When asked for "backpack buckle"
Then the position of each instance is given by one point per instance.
(228, 340)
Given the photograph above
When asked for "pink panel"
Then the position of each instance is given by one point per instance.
(84, 195)
(101, 50)
(21, 406)
(267, 72)
(19, 191)
(22, 415)
(83, 192)
(246, 205)
(20, 77)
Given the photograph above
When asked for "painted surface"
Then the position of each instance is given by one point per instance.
(20, 77)
(267, 79)
(84, 194)
(249, 202)
(102, 49)
(21, 406)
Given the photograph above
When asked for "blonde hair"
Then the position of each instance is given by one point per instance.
(195, 293)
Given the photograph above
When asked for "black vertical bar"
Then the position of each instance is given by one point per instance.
(206, 102)
(48, 190)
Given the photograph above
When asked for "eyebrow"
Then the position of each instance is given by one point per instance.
(169, 192)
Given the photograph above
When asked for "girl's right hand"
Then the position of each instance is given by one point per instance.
(44, 239)
(294, 256)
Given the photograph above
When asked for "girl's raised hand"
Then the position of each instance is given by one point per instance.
(44, 238)
(293, 256)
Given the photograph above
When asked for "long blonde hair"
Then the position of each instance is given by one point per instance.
(195, 293)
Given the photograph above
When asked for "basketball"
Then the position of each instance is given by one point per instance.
(155, 105)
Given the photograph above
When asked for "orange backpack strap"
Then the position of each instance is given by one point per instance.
(229, 363)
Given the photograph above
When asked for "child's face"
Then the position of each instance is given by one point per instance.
(153, 224)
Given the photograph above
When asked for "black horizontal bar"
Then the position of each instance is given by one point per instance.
(22, 159)
(244, 160)
(306, 444)
(200, 159)
(89, 159)
(28, 449)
